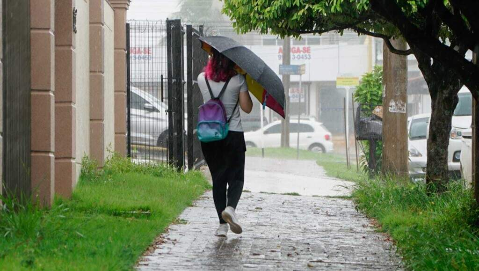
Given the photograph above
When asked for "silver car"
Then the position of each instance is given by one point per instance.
(149, 120)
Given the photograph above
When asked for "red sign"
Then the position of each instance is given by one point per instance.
(140, 51)
(297, 52)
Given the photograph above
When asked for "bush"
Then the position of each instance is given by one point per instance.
(369, 94)
(432, 232)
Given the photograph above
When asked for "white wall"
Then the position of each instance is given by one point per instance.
(82, 71)
(321, 61)
(109, 79)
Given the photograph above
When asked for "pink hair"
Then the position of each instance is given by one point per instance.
(219, 67)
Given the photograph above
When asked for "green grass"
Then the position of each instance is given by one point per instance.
(335, 165)
(432, 232)
(112, 217)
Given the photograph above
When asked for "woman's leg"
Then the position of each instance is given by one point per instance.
(236, 179)
(235, 160)
(212, 154)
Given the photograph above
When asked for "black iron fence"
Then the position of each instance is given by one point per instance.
(164, 59)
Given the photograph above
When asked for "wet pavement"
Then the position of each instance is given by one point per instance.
(280, 232)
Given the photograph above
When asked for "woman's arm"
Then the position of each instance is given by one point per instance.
(245, 102)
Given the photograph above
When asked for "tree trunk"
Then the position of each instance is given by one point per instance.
(443, 104)
(443, 84)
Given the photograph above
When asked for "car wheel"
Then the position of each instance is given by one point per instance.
(318, 148)
(163, 139)
(250, 144)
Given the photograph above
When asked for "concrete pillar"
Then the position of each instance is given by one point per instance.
(97, 80)
(82, 73)
(120, 7)
(395, 151)
(101, 79)
(43, 100)
(65, 98)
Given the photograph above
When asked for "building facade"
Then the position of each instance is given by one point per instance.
(77, 102)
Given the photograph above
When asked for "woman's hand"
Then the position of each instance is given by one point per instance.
(245, 102)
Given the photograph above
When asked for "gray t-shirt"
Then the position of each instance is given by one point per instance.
(236, 85)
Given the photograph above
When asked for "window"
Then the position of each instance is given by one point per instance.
(418, 129)
(314, 40)
(299, 42)
(464, 106)
(275, 129)
(267, 41)
(303, 128)
(137, 102)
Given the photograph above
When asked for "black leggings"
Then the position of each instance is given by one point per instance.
(226, 159)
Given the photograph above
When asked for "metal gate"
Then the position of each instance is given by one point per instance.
(157, 54)
(16, 108)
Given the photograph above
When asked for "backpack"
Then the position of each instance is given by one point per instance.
(212, 122)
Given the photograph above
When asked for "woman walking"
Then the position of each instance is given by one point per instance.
(226, 157)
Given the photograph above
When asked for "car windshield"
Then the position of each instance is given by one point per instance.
(464, 106)
(418, 129)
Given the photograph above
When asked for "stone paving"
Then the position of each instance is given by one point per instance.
(280, 232)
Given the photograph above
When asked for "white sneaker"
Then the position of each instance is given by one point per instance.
(222, 230)
(229, 216)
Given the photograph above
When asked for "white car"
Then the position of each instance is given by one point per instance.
(313, 136)
(418, 127)
(148, 118)
(461, 120)
(466, 156)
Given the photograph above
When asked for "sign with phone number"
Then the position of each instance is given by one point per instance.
(297, 53)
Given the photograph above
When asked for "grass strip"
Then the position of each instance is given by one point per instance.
(432, 232)
(334, 164)
(113, 216)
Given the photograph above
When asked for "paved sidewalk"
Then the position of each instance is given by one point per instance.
(281, 232)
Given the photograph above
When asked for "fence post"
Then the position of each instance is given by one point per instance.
(189, 93)
(16, 99)
(128, 94)
(170, 96)
(175, 100)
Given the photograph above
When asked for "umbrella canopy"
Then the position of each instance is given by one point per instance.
(262, 81)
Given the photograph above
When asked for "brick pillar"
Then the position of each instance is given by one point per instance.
(120, 7)
(97, 81)
(65, 98)
(43, 99)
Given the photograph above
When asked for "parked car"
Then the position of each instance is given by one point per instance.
(313, 136)
(418, 127)
(461, 121)
(466, 156)
(148, 118)
(250, 123)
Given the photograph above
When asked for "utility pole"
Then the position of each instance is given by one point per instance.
(286, 83)
(395, 149)
(475, 131)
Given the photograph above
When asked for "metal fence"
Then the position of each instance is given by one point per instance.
(147, 110)
(164, 59)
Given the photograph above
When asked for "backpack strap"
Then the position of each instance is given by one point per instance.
(224, 88)
(232, 113)
(209, 88)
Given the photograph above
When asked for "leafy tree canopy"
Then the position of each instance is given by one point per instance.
(442, 30)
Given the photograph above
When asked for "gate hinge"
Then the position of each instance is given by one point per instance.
(75, 13)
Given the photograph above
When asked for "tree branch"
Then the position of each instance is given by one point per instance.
(469, 10)
(386, 41)
(431, 46)
(457, 25)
